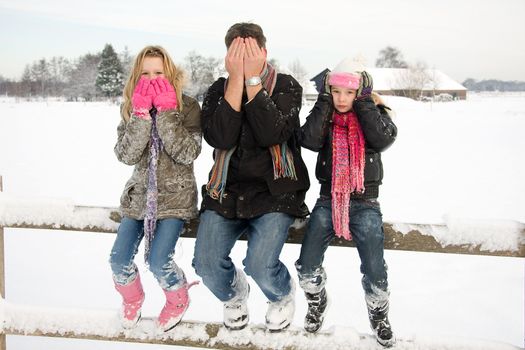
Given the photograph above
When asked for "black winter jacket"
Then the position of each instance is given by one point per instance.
(262, 122)
(379, 132)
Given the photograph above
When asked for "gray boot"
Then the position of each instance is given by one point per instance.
(378, 316)
(235, 310)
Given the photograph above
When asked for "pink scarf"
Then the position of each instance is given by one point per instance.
(348, 164)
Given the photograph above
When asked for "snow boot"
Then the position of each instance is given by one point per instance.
(381, 326)
(317, 305)
(177, 302)
(132, 299)
(236, 315)
(280, 313)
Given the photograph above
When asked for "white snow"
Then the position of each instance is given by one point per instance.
(55, 212)
(456, 164)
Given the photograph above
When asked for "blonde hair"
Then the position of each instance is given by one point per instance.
(171, 72)
(378, 100)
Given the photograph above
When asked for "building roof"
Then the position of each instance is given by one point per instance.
(386, 79)
(396, 79)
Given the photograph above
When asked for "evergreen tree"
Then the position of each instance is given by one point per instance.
(110, 77)
(391, 57)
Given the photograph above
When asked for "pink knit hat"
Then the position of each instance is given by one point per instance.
(346, 74)
(343, 79)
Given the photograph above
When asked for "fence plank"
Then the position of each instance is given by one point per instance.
(414, 240)
(104, 325)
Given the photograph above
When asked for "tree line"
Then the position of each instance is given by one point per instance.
(493, 85)
(102, 75)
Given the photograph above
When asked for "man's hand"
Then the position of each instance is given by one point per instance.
(234, 63)
(234, 60)
(254, 58)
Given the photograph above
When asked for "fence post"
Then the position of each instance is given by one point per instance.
(2, 273)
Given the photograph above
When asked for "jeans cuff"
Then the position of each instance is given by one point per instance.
(312, 282)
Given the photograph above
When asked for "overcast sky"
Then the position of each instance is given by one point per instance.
(464, 38)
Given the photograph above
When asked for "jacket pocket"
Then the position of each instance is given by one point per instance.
(125, 198)
(181, 194)
(373, 167)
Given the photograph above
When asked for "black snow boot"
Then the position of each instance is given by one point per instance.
(317, 304)
(381, 326)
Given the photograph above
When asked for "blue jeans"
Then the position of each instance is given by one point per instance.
(266, 235)
(366, 226)
(160, 260)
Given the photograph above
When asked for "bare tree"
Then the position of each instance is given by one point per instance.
(81, 81)
(299, 72)
(202, 72)
(275, 64)
(413, 80)
(126, 59)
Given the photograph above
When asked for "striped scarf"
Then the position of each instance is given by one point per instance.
(348, 163)
(150, 218)
(282, 157)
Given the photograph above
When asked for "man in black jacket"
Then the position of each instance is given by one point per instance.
(258, 182)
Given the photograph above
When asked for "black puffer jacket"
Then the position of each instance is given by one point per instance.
(379, 132)
(264, 121)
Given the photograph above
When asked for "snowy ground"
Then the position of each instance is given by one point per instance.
(457, 162)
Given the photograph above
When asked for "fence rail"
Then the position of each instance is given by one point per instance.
(416, 239)
(106, 221)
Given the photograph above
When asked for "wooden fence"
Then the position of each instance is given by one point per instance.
(212, 334)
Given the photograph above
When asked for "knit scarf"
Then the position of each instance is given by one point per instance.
(150, 218)
(282, 157)
(348, 163)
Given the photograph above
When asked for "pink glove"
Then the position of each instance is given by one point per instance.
(142, 98)
(340, 120)
(165, 96)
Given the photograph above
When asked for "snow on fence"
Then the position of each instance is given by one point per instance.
(60, 214)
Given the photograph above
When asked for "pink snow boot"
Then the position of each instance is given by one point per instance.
(177, 302)
(132, 299)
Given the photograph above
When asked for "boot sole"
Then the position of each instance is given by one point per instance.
(131, 326)
(277, 330)
(386, 343)
(172, 327)
(238, 328)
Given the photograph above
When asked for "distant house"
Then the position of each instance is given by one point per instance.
(416, 84)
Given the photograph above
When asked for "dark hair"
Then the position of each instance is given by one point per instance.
(245, 30)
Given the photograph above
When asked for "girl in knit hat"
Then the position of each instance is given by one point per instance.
(349, 131)
(159, 135)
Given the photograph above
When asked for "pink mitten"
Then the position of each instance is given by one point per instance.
(340, 120)
(142, 99)
(165, 96)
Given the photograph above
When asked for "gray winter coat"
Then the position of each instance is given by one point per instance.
(181, 136)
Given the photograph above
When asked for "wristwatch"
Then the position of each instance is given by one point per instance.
(253, 81)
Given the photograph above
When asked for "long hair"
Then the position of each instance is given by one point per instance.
(172, 73)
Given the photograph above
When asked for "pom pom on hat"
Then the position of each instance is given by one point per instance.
(346, 74)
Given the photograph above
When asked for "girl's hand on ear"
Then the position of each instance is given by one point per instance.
(365, 86)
